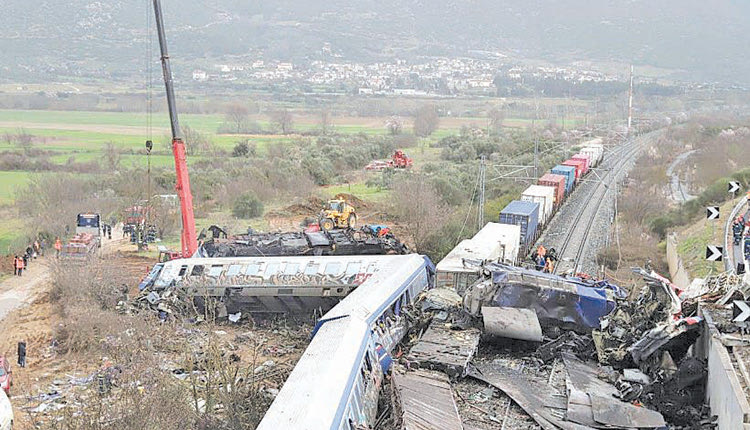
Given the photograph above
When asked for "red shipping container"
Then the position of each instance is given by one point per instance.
(583, 157)
(578, 164)
(556, 181)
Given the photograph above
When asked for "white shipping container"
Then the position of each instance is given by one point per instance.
(543, 195)
(597, 145)
(593, 154)
(494, 242)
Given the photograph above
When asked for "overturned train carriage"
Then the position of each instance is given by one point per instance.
(557, 301)
(364, 241)
(294, 284)
(336, 382)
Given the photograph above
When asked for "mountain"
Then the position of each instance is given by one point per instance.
(108, 38)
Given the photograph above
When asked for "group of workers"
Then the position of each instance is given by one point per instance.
(544, 259)
(738, 227)
(34, 250)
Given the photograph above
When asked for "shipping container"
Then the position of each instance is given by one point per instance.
(557, 182)
(597, 147)
(543, 195)
(494, 242)
(594, 155)
(570, 175)
(578, 165)
(586, 159)
(525, 215)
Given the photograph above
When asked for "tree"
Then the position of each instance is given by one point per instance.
(112, 156)
(237, 117)
(426, 121)
(325, 120)
(240, 150)
(284, 120)
(496, 117)
(417, 204)
(247, 206)
(394, 125)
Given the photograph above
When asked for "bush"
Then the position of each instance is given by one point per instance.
(247, 206)
(241, 150)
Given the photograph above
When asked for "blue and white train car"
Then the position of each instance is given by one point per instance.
(271, 284)
(335, 384)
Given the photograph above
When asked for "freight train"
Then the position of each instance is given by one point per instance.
(539, 202)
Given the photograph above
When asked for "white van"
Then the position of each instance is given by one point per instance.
(6, 412)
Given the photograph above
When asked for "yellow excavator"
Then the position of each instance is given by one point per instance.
(338, 214)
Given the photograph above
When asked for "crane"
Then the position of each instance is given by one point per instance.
(189, 238)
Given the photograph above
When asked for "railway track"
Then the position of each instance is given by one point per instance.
(576, 237)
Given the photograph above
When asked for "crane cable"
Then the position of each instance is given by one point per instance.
(468, 211)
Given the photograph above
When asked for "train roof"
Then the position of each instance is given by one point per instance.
(315, 393)
(367, 303)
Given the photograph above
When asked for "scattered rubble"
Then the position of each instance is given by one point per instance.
(618, 364)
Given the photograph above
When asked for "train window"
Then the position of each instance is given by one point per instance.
(352, 268)
(333, 268)
(368, 364)
(183, 270)
(234, 270)
(272, 269)
(291, 268)
(197, 271)
(215, 270)
(312, 269)
(252, 269)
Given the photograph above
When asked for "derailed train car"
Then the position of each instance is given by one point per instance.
(336, 382)
(290, 284)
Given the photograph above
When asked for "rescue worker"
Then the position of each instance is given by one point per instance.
(15, 265)
(19, 266)
(58, 247)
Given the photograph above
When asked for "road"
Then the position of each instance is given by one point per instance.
(17, 292)
(734, 253)
(679, 191)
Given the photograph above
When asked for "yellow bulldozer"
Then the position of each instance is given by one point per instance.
(338, 214)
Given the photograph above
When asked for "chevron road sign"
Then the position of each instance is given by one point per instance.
(714, 253)
(733, 186)
(712, 212)
(740, 311)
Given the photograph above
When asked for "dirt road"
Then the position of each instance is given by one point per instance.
(19, 291)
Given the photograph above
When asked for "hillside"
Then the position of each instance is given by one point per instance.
(107, 38)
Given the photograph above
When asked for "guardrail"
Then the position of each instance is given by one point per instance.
(729, 264)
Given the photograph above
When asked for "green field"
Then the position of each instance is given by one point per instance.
(9, 184)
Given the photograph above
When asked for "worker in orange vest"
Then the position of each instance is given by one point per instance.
(58, 247)
(19, 266)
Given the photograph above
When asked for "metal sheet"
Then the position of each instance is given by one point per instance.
(513, 323)
(530, 395)
(446, 350)
(425, 400)
(615, 413)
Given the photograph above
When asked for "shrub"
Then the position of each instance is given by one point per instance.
(241, 150)
(247, 205)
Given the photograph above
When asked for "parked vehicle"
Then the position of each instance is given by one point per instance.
(6, 412)
(6, 375)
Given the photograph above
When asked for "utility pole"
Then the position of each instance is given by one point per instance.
(482, 183)
(630, 101)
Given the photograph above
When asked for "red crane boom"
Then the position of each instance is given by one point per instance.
(189, 238)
